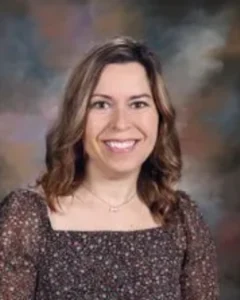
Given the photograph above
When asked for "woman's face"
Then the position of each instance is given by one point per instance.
(122, 122)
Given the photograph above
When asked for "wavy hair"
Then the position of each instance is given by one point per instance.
(65, 157)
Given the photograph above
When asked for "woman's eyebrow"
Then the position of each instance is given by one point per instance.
(102, 96)
(144, 95)
(133, 97)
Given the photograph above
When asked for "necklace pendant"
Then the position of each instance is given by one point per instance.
(113, 209)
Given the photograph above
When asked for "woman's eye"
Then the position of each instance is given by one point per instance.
(139, 104)
(99, 104)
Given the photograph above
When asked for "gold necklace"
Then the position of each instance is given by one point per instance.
(111, 208)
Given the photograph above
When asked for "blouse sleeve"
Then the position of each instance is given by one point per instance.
(21, 237)
(199, 278)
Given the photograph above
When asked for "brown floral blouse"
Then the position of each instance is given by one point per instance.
(168, 263)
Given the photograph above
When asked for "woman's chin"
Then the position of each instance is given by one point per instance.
(121, 171)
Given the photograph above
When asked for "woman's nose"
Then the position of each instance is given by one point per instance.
(121, 119)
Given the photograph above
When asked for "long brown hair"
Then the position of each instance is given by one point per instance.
(65, 158)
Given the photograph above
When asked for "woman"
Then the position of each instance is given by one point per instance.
(105, 221)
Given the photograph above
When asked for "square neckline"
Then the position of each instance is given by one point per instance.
(92, 232)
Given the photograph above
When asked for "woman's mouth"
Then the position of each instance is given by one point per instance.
(122, 146)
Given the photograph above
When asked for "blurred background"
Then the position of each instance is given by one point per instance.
(199, 45)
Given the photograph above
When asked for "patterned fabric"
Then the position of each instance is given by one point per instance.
(177, 262)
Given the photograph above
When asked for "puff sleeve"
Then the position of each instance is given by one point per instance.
(21, 241)
(199, 278)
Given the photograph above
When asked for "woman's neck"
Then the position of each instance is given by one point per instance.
(115, 189)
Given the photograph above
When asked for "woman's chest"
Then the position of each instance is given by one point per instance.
(114, 265)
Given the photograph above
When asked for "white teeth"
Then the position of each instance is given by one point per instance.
(121, 145)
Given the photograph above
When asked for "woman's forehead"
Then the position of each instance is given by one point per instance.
(130, 77)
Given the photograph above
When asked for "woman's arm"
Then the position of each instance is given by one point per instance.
(199, 279)
(20, 239)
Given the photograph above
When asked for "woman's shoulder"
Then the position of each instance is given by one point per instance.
(23, 196)
(23, 226)
(185, 203)
(24, 202)
(190, 213)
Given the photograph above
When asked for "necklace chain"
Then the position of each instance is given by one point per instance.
(111, 208)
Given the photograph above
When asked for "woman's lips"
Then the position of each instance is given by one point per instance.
(123, 146)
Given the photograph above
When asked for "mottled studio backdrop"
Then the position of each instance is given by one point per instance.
(199, 44)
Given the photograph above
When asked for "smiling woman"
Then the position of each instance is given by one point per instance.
(107, 201)
(121, 120)
(115, 94)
